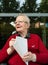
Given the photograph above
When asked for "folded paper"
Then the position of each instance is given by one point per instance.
(21, 46)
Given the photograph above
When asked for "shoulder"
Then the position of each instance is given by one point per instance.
(13, 36)
(34, 36)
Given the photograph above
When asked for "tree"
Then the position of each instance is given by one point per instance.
(44, 9)
(9, 6)
(0, 6)
(43, 6)
(29, 6)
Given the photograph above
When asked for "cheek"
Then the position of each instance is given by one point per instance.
(25, 27)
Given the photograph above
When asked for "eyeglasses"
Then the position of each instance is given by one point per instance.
(20, 22)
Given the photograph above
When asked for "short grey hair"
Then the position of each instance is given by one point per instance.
(27, 18)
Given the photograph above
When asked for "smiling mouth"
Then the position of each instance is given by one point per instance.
(18, 27)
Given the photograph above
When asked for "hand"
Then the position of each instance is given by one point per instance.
(10, 50)
(29, 57)
(11, 42)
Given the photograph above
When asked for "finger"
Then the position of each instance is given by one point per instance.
(25, 59)
(13, 39)
(26, 54)
(11, 42)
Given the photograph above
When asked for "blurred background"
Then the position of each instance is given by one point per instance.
(37, 10)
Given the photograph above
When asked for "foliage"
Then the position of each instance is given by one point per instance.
(29, 6)
(9, 6)
(43, 6)
(5, 32)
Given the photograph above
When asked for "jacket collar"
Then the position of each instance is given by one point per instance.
(27, 36)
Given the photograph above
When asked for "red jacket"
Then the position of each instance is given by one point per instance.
(35, 45)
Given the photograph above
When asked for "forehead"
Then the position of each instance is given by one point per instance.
(20, 18)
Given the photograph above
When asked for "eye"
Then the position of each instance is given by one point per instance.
(20, 21)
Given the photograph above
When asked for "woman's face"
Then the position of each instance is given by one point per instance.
(20, 24)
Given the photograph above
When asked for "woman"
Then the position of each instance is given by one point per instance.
(37, 52)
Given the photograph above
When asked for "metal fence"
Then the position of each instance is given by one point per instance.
(28, 14)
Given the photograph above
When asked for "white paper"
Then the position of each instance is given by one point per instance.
(21, 46)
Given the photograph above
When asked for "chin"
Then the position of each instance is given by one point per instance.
(18, 30)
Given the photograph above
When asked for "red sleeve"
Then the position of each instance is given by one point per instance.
(42, 56)
(3, 51)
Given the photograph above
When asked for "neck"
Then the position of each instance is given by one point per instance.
(23, 34)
